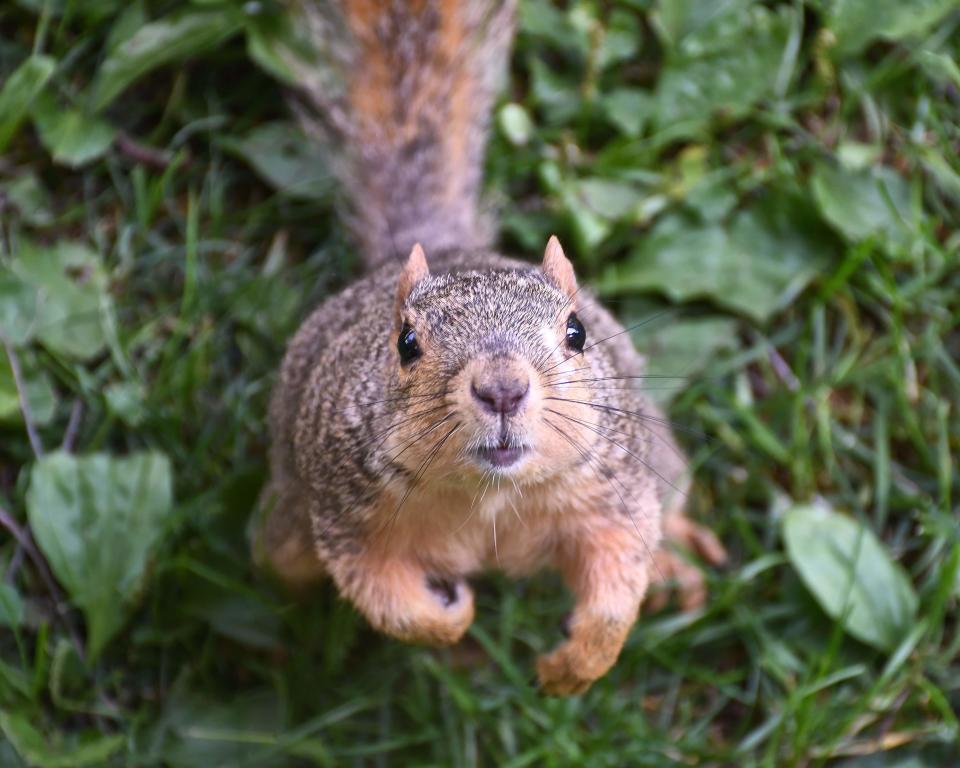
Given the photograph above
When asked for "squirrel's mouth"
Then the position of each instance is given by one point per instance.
(501, 455)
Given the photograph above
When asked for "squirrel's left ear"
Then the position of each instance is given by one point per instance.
(413, 272)
(557, 267)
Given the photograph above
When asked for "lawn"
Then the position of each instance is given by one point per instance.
(773, 186)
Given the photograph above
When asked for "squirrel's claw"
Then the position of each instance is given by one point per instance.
(565, 671)
(592, 648)
(674, 570)
(573, 666)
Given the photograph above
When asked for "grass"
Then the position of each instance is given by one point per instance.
(782, 176)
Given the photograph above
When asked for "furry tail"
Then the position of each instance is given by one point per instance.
(402, 92)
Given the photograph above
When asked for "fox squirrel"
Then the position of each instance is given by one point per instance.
(464, 410)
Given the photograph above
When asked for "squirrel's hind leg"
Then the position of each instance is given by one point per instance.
(681, 533)
(283, 541)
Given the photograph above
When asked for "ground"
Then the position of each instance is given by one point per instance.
(773, 188)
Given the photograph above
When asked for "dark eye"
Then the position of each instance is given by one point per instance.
(407, 345)
(576, 333)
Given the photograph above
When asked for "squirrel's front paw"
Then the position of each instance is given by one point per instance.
(439, 616)
(592, 649)
(570, 669)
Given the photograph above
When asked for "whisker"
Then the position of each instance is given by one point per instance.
(623, 448)
(390, 428)
(419, 436)
(400, 399)
(567, 385)
(543, 359)
(513, 506)
(612, 336)
(567, 372)
(619, 378)
(635, 415)
(674, 449)
(609, 476)
(389, 460)
(421, 470)
(473, 503)
(569, 302)
(486, 485)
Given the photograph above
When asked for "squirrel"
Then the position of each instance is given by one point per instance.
(460, 411)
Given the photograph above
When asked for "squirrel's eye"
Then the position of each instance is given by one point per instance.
(576, 333)
(407, 345)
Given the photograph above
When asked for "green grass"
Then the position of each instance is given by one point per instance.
(783, 176)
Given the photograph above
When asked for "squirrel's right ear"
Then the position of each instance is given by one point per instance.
(557, 267)
(413, 272)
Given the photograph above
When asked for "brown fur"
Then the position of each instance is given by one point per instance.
(402, 95)
(384, 472)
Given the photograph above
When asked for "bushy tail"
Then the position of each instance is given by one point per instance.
(402, 93)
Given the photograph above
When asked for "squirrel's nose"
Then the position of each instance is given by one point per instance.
(501, 396)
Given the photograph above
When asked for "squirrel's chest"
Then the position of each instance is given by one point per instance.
(505, 528)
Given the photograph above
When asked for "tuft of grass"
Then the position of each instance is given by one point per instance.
(782, 176)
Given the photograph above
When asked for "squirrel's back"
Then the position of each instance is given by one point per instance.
(403, 95)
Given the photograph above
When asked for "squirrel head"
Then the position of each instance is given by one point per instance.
(479, 355)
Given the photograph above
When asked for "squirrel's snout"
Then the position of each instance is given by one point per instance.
(500, 394)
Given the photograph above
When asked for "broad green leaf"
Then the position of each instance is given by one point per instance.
(28, 196)
(540, 18)
(607, 198)
(55, 750)
(629, 109)
(38, 389)
(861, 204)
(11, 606)
(18, 308)
(856, 156)
(125, 401)
(556, 95)
(728, 76)
(679, 348)
(71, 137)
(126, 24)
(280, 43)
(291, 164)
(174, 38)
(589, 227)
(98, 520)
(699, 27)
(73, 305)
(850, 573)
(942, 172)
(620, 40)
(856, 22)
(941, 67)
(18, 93)
(755, 265)
(515, 124)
